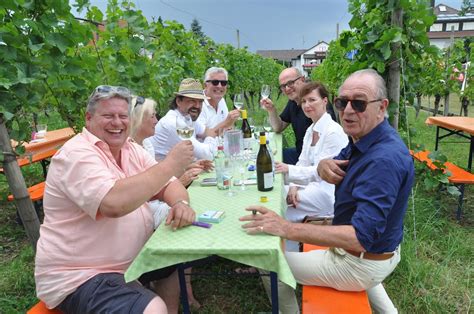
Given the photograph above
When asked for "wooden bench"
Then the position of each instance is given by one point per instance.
(40, 308)
(459, 177)
(328, 300)
(36, 192)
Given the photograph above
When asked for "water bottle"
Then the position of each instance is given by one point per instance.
(220, 163)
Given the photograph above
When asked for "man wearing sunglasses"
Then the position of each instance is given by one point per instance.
(214, 108)
(290, 80)
(97, 217)
(373, 177)
(187, 101)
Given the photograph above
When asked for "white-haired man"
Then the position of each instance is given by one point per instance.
(373, 176)
(214, 108)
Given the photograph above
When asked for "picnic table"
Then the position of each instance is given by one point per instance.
(460, 126)
(226, 239)
(42, 149)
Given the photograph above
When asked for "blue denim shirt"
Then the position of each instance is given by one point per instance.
(373, 195)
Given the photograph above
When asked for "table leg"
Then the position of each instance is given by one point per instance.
(437, 138)
(182, 288)
(471, 152)
(274, 286)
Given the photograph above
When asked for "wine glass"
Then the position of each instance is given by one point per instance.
(239, 101)
(265, 91)
(228, 174)
(184, 127)
(267, 126)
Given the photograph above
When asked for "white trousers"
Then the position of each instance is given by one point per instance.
(315, 200)
(337, 269)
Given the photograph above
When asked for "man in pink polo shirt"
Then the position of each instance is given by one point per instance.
(97, 218)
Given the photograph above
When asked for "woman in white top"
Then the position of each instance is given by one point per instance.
(142, 126)
(307, 193)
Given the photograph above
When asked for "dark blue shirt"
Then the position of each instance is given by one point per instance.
(299, 121)
(373, 196)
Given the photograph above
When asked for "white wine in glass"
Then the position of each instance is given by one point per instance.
(265, 92)
(184, 127)
(239, 101)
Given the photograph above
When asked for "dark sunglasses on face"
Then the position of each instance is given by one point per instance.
(140, 101)
(216, 82)
(289, 84)
(357, 104)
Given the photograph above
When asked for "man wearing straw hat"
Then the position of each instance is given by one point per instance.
(187, 101)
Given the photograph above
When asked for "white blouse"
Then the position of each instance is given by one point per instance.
(332, 140)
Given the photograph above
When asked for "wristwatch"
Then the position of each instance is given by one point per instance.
(185, 202)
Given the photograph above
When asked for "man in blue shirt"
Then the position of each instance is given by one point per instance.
(373, 176)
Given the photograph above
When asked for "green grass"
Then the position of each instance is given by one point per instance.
(434, 275)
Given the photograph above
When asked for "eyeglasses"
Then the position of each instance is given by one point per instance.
(357, 104)
(216, 82)
(140, 101)
(108, 89)
(289, 84)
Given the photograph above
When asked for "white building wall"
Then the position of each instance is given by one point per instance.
(440, 42)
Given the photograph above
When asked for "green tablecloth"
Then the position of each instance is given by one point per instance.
(227, 239)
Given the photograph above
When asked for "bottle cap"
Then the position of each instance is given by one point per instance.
(263, 199)
(220, 147)
(263, 138)
(244, 113)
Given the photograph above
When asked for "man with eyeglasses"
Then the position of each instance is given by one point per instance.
(373, 177)
(290, 80)
(214, 108)
(97, 218)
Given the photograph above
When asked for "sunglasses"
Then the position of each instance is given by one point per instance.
(357, 104)
(140, 101)
(108, 89)
(289, 84)
(216, 82)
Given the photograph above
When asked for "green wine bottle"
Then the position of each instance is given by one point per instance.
(246, 130)
(264, 166)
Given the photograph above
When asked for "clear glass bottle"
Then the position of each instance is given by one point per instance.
(220, 164)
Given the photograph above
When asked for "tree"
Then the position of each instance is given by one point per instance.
(465, 6)
(382, 41)
(197, 31)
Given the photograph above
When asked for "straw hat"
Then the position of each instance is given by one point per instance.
(191, 88)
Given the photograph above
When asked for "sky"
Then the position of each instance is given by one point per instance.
(262, 24)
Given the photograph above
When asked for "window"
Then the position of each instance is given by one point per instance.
(468, 26)
(437, 27)
(449, 25)
(442, 8)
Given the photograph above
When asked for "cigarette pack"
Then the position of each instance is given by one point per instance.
(214, 216)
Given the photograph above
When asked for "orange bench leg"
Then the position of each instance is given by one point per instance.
(40, 308)
(324, 300)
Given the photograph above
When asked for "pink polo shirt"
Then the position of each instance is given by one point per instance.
(76, 242)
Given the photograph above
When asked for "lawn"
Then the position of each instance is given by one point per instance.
(435, 274)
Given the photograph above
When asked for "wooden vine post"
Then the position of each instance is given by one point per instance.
(393, 83)
(18, 188)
